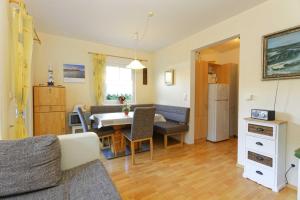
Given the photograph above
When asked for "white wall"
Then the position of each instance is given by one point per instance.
(271, 16)
(4, 67)
(57, 50)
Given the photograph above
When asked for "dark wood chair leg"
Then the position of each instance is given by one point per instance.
(182, 139)
(166, 141)
(151, 148)
(113, 145)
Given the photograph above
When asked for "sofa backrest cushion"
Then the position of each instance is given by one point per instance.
(174, 113)
(29, 164)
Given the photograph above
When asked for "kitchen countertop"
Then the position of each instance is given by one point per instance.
(297, 153)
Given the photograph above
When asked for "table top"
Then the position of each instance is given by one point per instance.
(111, 116)
(118, 118)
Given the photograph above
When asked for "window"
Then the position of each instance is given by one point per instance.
(119, 82)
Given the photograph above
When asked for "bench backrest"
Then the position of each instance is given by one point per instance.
(115, 108)
(174, 113)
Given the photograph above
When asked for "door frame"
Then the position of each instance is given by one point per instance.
(195, 56)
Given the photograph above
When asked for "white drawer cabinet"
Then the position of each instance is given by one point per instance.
(264, 146)
(265, 153)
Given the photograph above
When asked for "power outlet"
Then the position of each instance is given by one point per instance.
(293, 165)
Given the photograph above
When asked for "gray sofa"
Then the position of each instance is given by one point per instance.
(51, 168)
(176, 124)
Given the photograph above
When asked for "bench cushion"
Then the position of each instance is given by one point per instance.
(169, 127)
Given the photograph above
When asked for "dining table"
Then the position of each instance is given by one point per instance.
(118, 120)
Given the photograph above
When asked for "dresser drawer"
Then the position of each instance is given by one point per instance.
(260, 174)
(44, 109)
(261, 145)
(265, 160)
(261, 130)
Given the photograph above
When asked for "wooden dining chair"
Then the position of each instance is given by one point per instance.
(103, 132)
(141, 129)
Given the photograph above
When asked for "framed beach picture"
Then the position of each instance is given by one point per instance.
(74, 73)
(281, 55)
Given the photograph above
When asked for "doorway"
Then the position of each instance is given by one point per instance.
(216, 91)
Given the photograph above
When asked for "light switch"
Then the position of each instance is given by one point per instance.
(250, 97)
(185, 97)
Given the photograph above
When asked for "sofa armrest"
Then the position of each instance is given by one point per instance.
(78, 149)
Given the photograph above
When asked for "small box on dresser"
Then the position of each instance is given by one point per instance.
(265, 149)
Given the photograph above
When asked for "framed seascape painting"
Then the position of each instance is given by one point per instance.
(74, 73)
(281, 55)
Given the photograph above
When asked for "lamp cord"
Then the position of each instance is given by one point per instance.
(275, 99)
(286, 179)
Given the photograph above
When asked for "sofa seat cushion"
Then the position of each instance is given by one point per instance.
(169, 127)
(29, 164)
(53, 193)
(89, 181)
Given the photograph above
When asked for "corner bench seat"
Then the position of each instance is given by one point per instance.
(176, 124)
(169, 127)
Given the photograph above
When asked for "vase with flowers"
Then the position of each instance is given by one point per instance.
(122, 99)
(126, 109)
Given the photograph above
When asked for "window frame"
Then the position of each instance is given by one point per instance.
(116, 102)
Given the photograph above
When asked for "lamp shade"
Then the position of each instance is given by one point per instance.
(135, 64)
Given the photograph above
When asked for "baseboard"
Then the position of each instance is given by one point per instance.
(292, 187)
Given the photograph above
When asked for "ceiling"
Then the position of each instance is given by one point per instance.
(114, 22)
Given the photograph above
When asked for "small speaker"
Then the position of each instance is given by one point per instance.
(268, 115)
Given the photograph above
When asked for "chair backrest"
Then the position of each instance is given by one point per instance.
(82, 120)
(142, 124)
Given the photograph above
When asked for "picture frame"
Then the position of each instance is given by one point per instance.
(281, 55)
(169, 77)
(74, 73)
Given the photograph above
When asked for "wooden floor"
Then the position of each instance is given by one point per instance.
(204, 171)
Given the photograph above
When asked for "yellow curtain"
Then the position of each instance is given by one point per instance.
(99, 77)
(21, 52)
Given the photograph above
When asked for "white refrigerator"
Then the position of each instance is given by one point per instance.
(218, 112)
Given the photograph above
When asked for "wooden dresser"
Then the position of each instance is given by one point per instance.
(49, 107)
(265, 153)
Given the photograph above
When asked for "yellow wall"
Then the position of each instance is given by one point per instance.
(4, 68)
(251, 25)
(57, 50)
